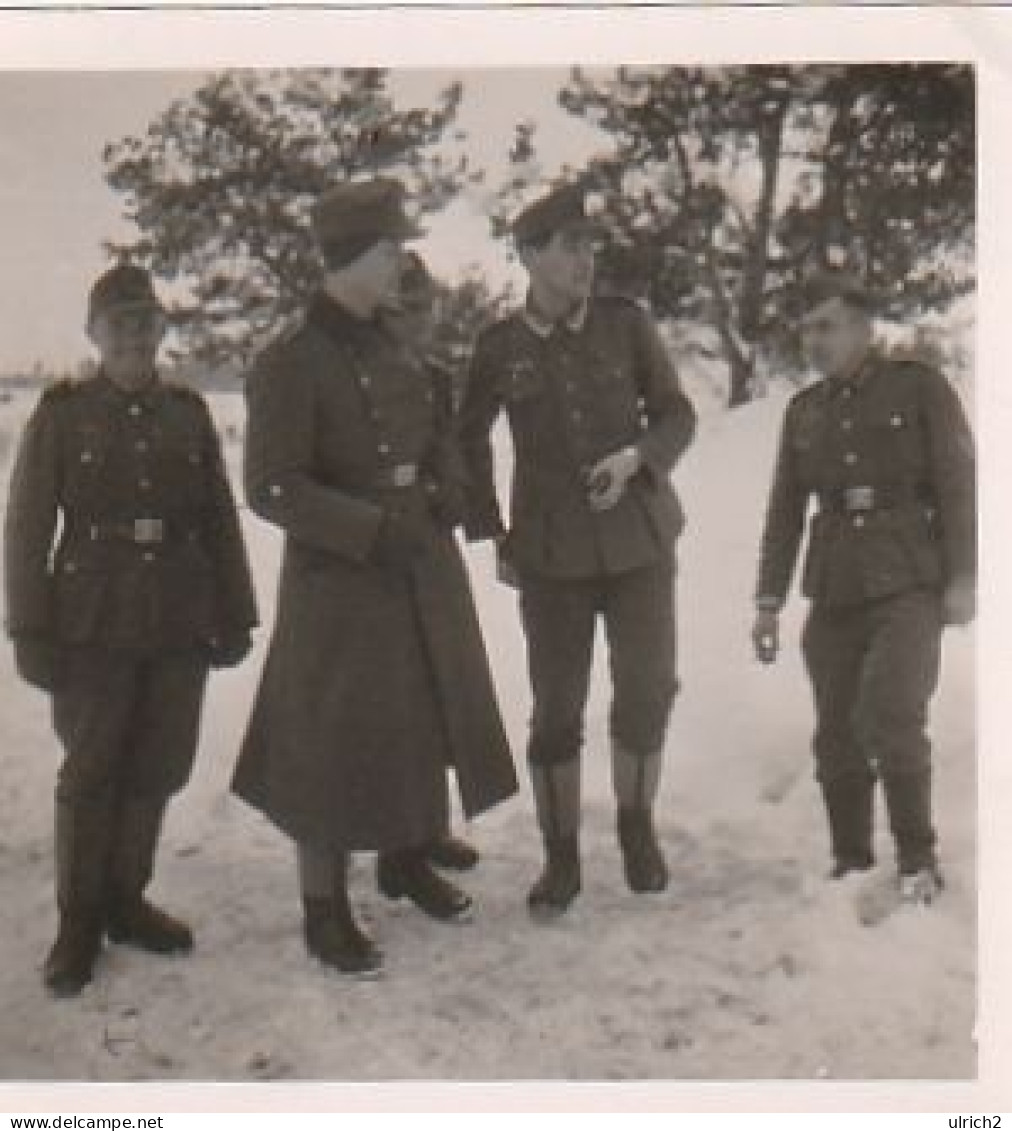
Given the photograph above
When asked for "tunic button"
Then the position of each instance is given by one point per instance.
(86, 457)
(859, 520)
(896, 420)
(144, 484)
(135, 410)
(148, 556)
(850, 457)
(577, 415)
(275, 491)
(141, 445)
(383, 448)
(364, 381)
(847, 424)
(70, 567)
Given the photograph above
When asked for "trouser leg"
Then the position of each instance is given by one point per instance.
(91, 708)
(834, 645)
(639, 615)
(899, 677)
(162, 744)
(558, 619)
(82, 851)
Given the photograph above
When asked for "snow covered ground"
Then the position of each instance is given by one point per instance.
(751, 967)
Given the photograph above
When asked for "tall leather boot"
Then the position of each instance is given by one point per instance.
(908, 799)
(132, 918)
(635, 779)
(332, 935)
(849, 802)
(82, 850)
(557, 802)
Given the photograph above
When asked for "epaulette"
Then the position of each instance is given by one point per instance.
(62, 388)
(810, 392)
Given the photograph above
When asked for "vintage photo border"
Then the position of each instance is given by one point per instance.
(409, 35)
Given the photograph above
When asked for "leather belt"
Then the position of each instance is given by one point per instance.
(145, 531)
(400, 475)
(861, 499)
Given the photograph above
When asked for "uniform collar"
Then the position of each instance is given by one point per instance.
(336, 320)
(857, 380)
(541, 326)
(116, 392)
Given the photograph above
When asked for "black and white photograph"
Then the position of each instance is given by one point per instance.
(490, 568)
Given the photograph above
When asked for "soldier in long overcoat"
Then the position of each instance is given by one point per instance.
(598, 420)
(126, 578)
(884, 448)
(377, 679)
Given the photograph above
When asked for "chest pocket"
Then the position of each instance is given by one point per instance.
(86, 455)
(897, 443)
(521, 379)
(809, 445)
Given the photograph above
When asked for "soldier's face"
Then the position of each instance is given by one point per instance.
(836, 336)
(374, 278)
(563, 270)
(127, 339)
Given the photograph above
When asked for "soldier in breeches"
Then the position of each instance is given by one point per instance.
(598, 421)
(148, 587)
(884, 448)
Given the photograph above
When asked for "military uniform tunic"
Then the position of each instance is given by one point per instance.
(888, 457)
(376, 679)
(123, 551)
(574, 393)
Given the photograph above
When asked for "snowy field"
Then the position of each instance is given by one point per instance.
(751, 967)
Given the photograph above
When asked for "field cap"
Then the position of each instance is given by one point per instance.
(564, 207)
(125, 285)
(349, 218)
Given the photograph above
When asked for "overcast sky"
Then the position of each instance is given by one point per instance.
(55, 208)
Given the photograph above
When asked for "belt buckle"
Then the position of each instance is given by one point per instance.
(148, 531)
(403, 474)
(859, 498)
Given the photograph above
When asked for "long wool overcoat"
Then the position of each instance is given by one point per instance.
(376, 678)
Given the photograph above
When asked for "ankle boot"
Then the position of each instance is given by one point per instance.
(452, 853)
(333, 936)
(132, 918)
(645, 867)
(140, 923)
(560, 881)
(71, 960)
(406, 872)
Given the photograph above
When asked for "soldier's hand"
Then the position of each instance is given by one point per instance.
(765, 636)
(229, 648)
(959, 601)
(609, 477)
(401, 539)
(35, 658)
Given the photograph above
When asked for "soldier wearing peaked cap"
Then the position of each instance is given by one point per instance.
(598, 420)
(376, 679)
(146, 587)
(883, 448)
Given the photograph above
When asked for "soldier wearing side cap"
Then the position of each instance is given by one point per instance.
(147, 586)
(376, 680)
(884, 449)
(598, 421)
